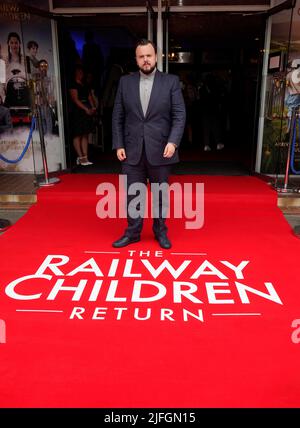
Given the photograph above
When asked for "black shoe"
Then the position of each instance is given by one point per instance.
(125, 240)
(163, 241)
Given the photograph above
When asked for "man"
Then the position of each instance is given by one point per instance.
(148, 124)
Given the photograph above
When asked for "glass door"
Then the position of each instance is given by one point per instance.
(114, 34)
(280, 53)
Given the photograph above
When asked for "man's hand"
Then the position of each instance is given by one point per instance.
(121, 154)
(169, 150)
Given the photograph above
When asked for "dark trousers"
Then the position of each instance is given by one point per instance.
(139, 174)
(211, 127)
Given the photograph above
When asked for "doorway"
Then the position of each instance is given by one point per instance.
(227, 46)
(219, 61)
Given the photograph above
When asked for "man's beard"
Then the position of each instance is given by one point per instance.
(149, 70)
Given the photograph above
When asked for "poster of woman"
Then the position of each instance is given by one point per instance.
(22, 46)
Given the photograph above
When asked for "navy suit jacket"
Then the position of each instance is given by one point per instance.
(164, 121)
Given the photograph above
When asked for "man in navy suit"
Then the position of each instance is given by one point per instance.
(148, 123)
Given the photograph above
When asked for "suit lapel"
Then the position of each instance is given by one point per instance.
(136, 93)
(155, 91)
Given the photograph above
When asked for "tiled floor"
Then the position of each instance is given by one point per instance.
(17, 184)
(11, 215)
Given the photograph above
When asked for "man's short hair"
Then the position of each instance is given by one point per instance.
(144, 42)
(32, 44)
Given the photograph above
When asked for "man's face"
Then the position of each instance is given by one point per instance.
(146, 58)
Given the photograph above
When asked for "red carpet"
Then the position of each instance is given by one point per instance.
(240, 280)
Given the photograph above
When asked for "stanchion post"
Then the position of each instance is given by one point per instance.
(47, 181)
(39, 93)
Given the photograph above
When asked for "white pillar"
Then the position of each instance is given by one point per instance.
(261, 122)
(150, 25)
(167, 44)
(58, 94)
(159, 38)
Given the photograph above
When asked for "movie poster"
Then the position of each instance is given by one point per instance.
(27, 84)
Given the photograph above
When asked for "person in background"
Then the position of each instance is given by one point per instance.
(83, 112)
(16, 90)
(190, 95)
(15, 61)
(32, 63)
(293, 87)
(89, 80)
(112, 75)
(92, 59)
(210, 99)
(92, 137)
(71, 57)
